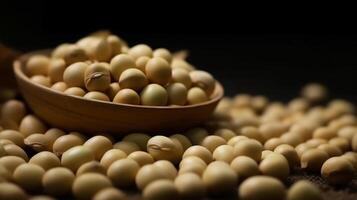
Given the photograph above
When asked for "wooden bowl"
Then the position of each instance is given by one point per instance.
(73, 113)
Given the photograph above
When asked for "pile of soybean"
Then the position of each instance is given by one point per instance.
(248, 148)
(103, 67)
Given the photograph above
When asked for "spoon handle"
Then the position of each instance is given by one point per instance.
(7, 56)
(7, 78)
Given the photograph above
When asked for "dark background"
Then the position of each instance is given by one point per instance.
(246, 55)
(249, 51)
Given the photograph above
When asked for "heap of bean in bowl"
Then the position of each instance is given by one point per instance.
(248, 149)
(103, 67)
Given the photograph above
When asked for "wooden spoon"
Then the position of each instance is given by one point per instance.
(78, 114)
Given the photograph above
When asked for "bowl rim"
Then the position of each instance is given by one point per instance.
(19, 73)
